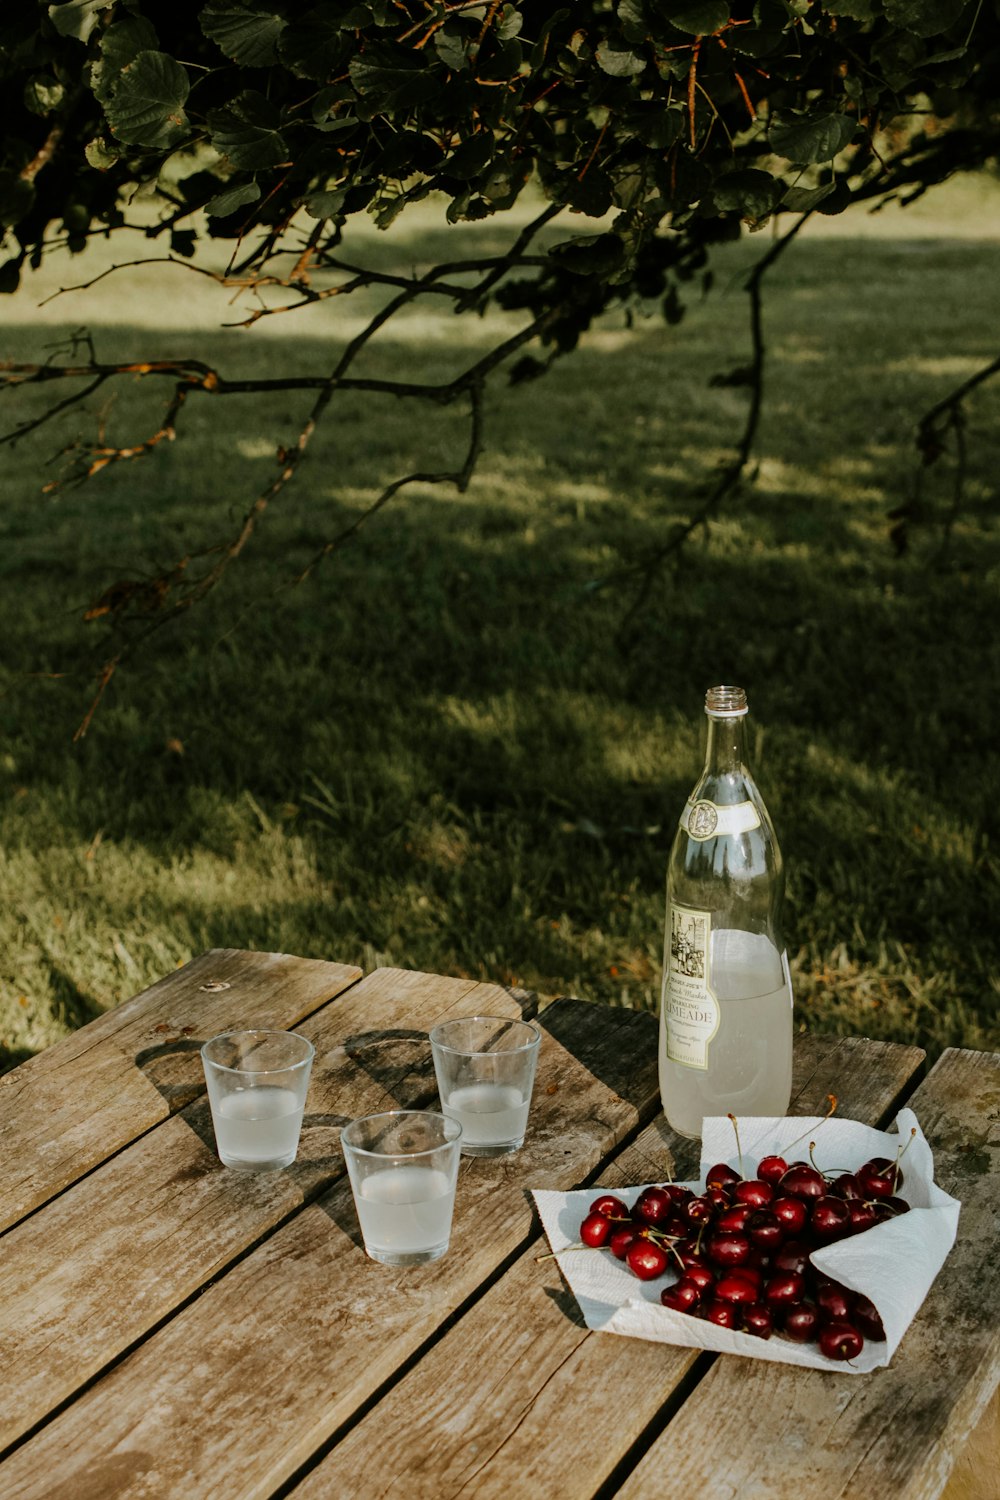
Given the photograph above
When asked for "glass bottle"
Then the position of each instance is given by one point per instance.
(726, 1002)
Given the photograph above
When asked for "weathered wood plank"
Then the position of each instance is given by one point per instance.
(239, 1389)
(81, 1100)
(553, 1408)
(778, 1431)
(92, 1271)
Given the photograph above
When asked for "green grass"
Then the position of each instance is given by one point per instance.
(434, 753)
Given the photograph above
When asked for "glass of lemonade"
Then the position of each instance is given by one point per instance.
(403, 1166)
(485, 1067)
(257, 1085)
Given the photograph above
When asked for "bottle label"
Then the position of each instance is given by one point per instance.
(705, 820)
(691, 1011)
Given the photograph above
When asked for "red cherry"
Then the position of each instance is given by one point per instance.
(839, 1339)
(754, 1191)
(791, 1214)
(898, 1205)
(830, 1218)
(764, 1229)
(698, 1211)
(846, 1186)
(793, 1256)
(652, 1206)
(801, 1322)
(865, 1317)
(681, 1297)
(771, 1169)
(595, 1229)
(880, 1177)
(646, 1259)
(720, 1175)
(718, 1197)
(728, 1249)
(751, 1275)
(620, 1240)
(803, 1181)
(861, 1217)
(701, 1276)
(724, 1314)
(784, 1289)
(734, 1218)
(735, 1288)
(610, 1206)
(757, 1320)
(834, 1300)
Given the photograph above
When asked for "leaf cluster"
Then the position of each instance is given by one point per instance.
(671, 122)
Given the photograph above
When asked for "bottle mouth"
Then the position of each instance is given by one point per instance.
(726, 702)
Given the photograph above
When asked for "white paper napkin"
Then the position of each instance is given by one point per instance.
(893, 1263)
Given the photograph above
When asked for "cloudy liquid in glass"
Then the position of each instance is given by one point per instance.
(258, 1126)
(405, 1210)
(490, 1114)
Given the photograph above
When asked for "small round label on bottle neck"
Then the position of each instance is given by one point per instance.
(705, 820)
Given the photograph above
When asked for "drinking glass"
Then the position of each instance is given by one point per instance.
(257, 1085)
(403, 1166)
(485, 1067)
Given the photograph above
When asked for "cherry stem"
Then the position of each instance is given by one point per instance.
(831, 1110)
(739, 1149)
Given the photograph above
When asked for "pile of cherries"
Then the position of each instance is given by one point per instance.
(741, 1248)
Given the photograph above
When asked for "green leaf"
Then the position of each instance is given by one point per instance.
(470, 158)
(317, 45)
(510, 23)
(699, 17)
(751, 193)
(326, 204)
(77, 18)
(120, 45)
(632, 16)
(101, 154)
(43, 94)
(228, 201)
(812, 137)
(857, 10)
(248, 35)
(619, 63)
(391, 79)
(246, 132)
(451, 43)
(147, 108)
(924, 17)
(799, 200)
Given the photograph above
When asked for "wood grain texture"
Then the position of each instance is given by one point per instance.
(77, 1103)
(237, 1391)
(95, 1268)
(778, 1431)
(551, 1408)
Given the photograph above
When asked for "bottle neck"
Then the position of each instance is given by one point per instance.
(725, 751)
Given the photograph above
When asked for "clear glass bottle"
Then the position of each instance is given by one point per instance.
(726, 1001)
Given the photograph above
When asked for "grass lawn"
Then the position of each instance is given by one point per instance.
(435, 752)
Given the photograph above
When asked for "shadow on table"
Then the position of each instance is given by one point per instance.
(607, 1042)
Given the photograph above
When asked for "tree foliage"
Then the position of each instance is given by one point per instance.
(273, 124)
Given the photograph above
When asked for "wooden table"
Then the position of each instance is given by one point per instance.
(171, 1328)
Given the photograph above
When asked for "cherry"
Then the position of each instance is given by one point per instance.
(653, 1206)
(839, 1339)
(771, 1169)
(620, 1240)
(728, 1249)
(880, 1178)
(721, 1174)
(784, 1289)
(793, 1256)
(865, 1317)
(764, 1229)
(803, 1181)
(801, 1322)
(749, 1274)
(736, 1288)
(681, 1297)
(791, 1214)
(677, 1194)
(830, 1218)
(846, 1186)
(898, 1205)
(595, 1229)
(718, 1197)
(700, 1276)
(724, 1314)
(834, 1300)
(698, 1211)
(757, 1320)
(753, 1191)
(647, 1259)
(735, 1217)
(610, 1206)
(861, 1216)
